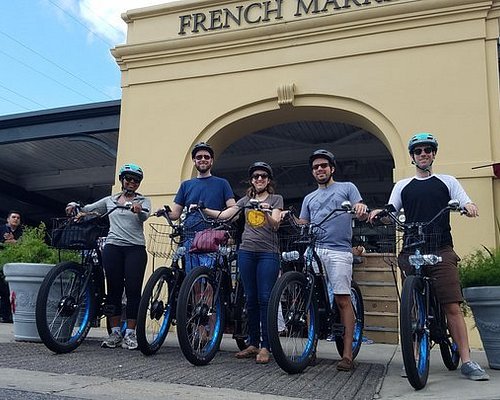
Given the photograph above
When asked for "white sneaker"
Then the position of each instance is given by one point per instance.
(471, 370)
(130, 341)
(113, 340)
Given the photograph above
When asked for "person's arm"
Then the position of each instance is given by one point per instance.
(228, 213)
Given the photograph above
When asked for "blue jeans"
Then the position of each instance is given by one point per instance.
(259, 272)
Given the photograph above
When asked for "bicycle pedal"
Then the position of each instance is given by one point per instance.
(338, 330)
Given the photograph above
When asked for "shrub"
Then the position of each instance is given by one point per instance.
(481, 268)
(32, 248)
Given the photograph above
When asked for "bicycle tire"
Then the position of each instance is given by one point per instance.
(156, 310)
(200, 318)
(65, 307)
(295, 350)
(415, 338)
(359, 322)
(240, 312)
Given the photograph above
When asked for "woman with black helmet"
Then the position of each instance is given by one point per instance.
(258, 254)
(124, 256)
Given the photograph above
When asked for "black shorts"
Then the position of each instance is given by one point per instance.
(445, 278)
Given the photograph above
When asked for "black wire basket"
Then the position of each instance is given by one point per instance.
(77, 234)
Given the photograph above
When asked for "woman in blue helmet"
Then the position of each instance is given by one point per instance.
(124, 256)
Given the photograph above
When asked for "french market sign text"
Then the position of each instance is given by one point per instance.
(257, 13)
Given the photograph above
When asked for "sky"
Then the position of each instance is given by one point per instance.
(56, 53)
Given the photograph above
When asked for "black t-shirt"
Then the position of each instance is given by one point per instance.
(423, 198)
(6, 229)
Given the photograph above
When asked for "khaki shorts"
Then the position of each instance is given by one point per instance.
(445, 279)
(338, 268)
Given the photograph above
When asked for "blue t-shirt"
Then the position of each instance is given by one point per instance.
(212, 191)
(336, 232)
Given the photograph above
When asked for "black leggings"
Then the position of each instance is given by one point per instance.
(125, 267)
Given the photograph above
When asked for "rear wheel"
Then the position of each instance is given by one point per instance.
(448, 348)
(156, 310)
(415, 338)
(295, 347)
(200, 316)
(359, 322)
(65, 307)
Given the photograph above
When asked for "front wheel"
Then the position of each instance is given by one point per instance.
(294, 347)
(415, 337)
(359, 322)
(200, 316)
(65, 307)
(156, 309)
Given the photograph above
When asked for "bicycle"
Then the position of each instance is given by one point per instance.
(422, 320)
(158, 303)
(301, 300)
(209, 293)
(72, 296)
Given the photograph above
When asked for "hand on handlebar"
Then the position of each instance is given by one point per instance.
(471, 210)
(361, 211)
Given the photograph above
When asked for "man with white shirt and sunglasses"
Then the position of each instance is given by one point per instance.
(421, 197)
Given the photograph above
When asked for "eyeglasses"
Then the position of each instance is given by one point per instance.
(134, 179)
(203, 157)
(257, 176)
(321, 165)
(427, 150)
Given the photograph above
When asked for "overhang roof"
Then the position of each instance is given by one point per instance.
(50, 157)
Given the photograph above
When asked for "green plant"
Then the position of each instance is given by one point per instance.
(32, 248)
(481, 268)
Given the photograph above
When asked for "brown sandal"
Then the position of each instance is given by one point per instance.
(263, 356)
(249, 352)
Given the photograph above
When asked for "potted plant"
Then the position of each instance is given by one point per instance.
(25, 264)
(480, 279)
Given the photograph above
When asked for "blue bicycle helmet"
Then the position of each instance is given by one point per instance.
(322, 153)
(262, 166)
(202, 146)
(420, 139)
(130, 169)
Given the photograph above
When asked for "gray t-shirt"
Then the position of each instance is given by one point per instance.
(336, 232)
(126, 227)
(258, 236)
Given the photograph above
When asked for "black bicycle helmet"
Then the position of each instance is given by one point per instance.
(322, 153)
(130, 169)
(202, 146)
(262, 166)
(420, 139)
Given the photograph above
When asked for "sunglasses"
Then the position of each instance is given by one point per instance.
(134, 179)
(321, 165)
(257, 176)
(427, 150)
(203, 157)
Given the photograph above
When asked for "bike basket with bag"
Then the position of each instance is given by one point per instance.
(209, 240)
(81, 234)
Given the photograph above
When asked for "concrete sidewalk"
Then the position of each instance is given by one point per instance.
(442, 384)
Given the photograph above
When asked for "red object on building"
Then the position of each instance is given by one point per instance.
(13, 302)
(496, 170)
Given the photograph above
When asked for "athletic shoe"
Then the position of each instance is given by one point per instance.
(130, 341)
(472, 370)
(113, 340)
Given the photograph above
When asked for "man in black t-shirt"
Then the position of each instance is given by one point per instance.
(422, 197)
(9, 233)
